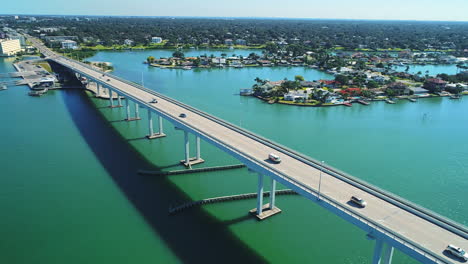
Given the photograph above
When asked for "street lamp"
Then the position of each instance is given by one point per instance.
(320, 180)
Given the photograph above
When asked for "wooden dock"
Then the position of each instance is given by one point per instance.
(207, 169)
(184, 206)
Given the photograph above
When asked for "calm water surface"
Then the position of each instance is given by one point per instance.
(71, 192)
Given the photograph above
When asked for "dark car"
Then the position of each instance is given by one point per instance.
(182, 115)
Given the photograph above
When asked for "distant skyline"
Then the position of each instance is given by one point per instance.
(434, 10)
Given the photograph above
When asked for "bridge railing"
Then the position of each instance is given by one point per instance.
(372, 224)
(395, 199)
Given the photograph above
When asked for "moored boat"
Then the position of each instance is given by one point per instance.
(388, 101)
(4, 87)
(412, 100)
(363, 102)
(347, 104)
(455, 96)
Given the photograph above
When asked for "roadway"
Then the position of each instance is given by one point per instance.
(412, 227)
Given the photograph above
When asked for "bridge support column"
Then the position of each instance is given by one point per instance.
(137, 113)
(264, 211)
(151, 134)
(259, 194)
(111, 100)
(98, 90)
(127, 106)
(160, 125)
(188, 161)
(272, 194)
(187, 149)
(198, 148)
(387, 254)
(119, 100)
(377, 251)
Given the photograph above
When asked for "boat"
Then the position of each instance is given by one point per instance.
(4, 87)
(187, 68)
(363, 102)
(38, 93)
(412, 100)
(455, 96)
(347, 104)
(388, 101)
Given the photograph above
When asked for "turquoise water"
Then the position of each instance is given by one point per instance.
(432, 70)
(71, 192)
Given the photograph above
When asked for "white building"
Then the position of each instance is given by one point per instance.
(128, 42)
(156, 40)
(69, 44)
(19, 37)
(9, 47)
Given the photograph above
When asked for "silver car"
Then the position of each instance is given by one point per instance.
(458, 252)
(358, 201)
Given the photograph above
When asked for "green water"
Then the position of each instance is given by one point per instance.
(70, 191)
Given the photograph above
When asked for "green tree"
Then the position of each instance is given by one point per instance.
(150, 59)
(178, 54)
(343, 79)
(299, 78)
(372, 84)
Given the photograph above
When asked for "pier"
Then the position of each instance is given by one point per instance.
(184, 206)
(189, 171)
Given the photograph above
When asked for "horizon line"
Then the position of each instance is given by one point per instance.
(241, 17)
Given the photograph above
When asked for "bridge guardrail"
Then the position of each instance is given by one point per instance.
(454, 226)
(330, 201)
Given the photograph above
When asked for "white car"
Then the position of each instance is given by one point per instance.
(358, 201)
(275, 158)
(458, 252)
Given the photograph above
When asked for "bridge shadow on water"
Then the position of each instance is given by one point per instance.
(195, 236)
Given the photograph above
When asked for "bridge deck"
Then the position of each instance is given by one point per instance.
(415, 228)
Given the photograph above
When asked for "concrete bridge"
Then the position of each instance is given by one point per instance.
(391, 221)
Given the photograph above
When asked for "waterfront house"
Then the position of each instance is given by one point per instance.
(435, 85)
(241, 42)
(310, 84)
(265, 62)
(128, 42)
(228, 42)
(330, 83)
(418, 90)
(220, 61)
(399, 88)
(156, 40)
(300, 95)
(350, 92)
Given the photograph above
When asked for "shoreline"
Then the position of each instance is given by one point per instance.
(292, 103)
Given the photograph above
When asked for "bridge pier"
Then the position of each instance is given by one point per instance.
(127, 106)
(264, 211)
(111, 100)
(188, 161)
(119, 100)
(98, 89)
(137, 109)
(383, 253)
(151, 134)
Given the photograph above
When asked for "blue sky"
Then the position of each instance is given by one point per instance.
(450, 10)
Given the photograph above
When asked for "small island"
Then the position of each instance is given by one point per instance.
(347, 89)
